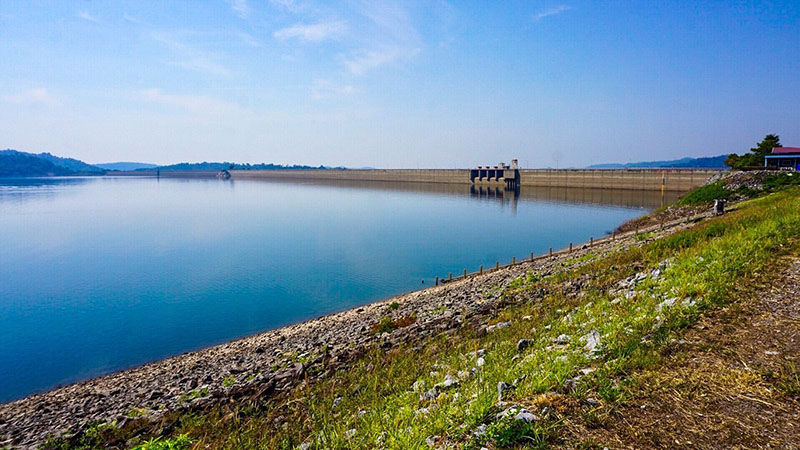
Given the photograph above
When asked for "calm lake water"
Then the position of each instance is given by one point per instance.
(102, 274)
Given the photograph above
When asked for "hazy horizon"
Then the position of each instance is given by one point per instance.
(397, 85)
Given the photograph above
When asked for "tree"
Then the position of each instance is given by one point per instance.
(756, 156)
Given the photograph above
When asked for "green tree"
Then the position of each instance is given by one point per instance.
(756, 156)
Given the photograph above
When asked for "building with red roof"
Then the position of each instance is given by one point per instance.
(783, 158)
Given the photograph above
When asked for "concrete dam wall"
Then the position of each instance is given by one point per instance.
(673, 180)
(678, 180)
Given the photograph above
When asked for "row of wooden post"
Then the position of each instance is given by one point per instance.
(549, 253)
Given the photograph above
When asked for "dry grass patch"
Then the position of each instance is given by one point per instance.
(727, 384)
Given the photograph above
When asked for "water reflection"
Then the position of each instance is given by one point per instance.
(15, 191)
(498, 194)
(99, 274)
(610, 197)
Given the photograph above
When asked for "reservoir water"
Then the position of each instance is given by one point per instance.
(102, 274)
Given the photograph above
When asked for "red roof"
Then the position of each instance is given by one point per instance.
(785, 150)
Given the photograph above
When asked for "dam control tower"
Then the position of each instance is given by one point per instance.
(499, 175)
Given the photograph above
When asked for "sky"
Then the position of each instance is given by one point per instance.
(393, 84)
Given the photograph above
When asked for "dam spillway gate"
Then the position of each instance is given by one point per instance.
(499, 175)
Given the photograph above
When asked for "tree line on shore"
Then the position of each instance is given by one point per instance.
(754, 159)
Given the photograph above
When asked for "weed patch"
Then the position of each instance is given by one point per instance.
(388, 324)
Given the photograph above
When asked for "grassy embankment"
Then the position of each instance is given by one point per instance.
(589, 338)
(718, 190)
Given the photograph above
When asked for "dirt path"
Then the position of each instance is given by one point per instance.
(731, 382)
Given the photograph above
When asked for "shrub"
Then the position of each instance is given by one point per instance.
(182, 442)
(706, 194)
(387, 324)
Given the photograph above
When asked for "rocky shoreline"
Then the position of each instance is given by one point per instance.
(274, 361)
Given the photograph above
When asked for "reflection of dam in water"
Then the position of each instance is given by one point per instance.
(610, 197)
(505, 197)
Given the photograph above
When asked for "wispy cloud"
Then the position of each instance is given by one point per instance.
(86, 16)
(190, 57)
(129, 18)
(551, 12)
(376, 33)
(202, 64)
(389, 37)
(248, 39)
(192, 103)
(289, 5)
(312, 32)
(241, 8)
(361, 62)
(32, 96)
(323, 88)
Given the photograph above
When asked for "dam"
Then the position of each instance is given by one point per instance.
(669, 180)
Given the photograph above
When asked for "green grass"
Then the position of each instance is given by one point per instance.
(705, 194)
(379, 401)
(95, 434)
(191, 395)
(388, 324)
(771, 183)
(781, 180)
(182, 442)
(787, 379)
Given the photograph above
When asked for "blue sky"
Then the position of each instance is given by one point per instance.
(397, 84)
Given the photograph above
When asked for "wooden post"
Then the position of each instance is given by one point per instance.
(481, 269)
(551, 252)
(465, 273)
(591, 241)
(513, 260)
(613, 235)
(570, 247)
(531, 256)
(437, 281)
(451, 276)
(497, 265)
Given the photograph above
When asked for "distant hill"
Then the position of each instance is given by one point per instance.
(235, 166)
(18, 164)
(21, 164)
(72, 164)
(711, 162)
(126, 166)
